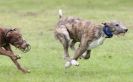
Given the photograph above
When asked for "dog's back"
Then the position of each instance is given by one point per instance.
(75, 26)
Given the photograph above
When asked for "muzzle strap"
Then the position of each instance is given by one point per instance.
(107, 31)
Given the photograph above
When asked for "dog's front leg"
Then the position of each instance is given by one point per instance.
(80, 50)
(13, 57)
(6, 53)
(15, 60)
(8, 48)
(19, 66)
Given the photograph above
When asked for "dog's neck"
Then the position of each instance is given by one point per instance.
(6, 39)
(107, 31)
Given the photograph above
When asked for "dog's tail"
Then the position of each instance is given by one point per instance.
(60, 13)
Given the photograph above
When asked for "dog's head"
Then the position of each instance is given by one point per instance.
(115, 27)
(15, 38)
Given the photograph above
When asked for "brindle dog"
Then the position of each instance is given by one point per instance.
(13, 37)
(70, 30)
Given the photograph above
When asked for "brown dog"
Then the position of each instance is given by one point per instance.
(13, 37)
(70, 30)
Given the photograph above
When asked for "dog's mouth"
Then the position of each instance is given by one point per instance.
(23, 47)
(26, 49)
(121, 33)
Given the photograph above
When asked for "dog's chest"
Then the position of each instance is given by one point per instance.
(96, 43)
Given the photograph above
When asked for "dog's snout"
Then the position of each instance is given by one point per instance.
(126, 30)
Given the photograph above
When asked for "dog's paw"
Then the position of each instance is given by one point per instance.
(25, 71)
(67, 64)
(28, 71)
(18, 57)
(74, 62)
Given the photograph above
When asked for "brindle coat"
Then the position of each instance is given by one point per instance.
(70, 30)
(13, 37)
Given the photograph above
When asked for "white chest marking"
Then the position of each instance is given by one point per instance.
(96, 43)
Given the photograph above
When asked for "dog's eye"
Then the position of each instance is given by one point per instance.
(117, 25)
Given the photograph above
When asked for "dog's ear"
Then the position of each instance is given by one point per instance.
(14, 29)
(10, 31)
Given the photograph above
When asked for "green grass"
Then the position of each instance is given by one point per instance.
(111, 62)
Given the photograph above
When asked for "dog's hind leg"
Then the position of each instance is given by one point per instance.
(64, 38)
(65, 44)
(72, 44)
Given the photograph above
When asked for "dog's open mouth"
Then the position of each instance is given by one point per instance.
(121, 34)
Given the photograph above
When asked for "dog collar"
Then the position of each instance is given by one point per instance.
(6, 38)
(107, 31)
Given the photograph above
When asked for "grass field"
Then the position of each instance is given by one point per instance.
(111, 62)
